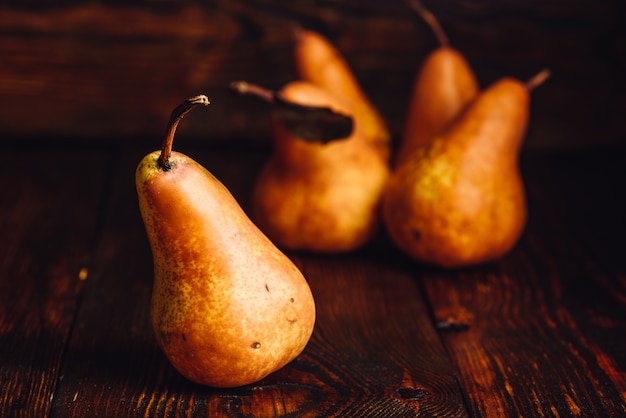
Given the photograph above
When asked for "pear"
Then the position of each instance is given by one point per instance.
(318, 196)
(444, 85)
(460, 200)
(318, 61)
(228, 308)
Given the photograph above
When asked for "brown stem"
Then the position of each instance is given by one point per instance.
(177, 114)
(431, 21)
(243, 87)
(538, 79)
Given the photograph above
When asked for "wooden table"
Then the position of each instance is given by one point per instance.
(541, 332)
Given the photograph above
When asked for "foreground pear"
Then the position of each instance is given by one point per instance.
(444, 85)
(321, 197)
(461, 200)
(318, 61)
(228, 308)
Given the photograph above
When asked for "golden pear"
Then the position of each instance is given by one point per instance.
(228, 308)
(321, 197)
(318, 61)
(461, 200)
(443, 87)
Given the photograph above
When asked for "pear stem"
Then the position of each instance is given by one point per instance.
(538, 79)
(431, 21)
(177, 114)
(243, 87)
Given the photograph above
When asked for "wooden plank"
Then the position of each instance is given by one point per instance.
(374, 336)
(374, 351)
(541, 332)
(106, 70)
(49, 209)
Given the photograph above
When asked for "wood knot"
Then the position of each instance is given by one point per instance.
(411, 394)
(452, 326)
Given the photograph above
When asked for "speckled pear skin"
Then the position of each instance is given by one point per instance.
(228, 308)
(461, 201)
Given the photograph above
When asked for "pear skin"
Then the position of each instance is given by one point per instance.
(319, 197)
(443, 87)
(460, 200)
(318, 61)
(228, 308)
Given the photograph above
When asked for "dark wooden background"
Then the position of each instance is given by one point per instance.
(112, 70)
(86, 88)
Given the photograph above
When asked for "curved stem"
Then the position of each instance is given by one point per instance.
(431, 21)
(177, 114)
(538, 79)
(243, 87)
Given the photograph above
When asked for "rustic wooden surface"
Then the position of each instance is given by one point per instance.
(537, 333)
(112, 70)
(85, 90)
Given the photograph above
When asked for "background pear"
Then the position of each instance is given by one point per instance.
(317, 60)
(444, 85)
(228, 308)
(461, 200)
(315, 196)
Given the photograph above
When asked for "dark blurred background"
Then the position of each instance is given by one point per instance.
(111, 71)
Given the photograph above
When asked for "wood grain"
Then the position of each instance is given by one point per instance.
(363, 304)
(114, 368)
(538, 333)
(49, 220)
(109, 71)
(538, 329)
